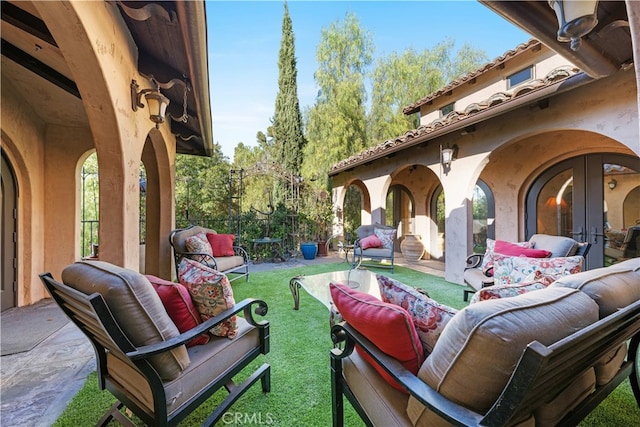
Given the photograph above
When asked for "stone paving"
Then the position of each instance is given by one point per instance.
(36, 386)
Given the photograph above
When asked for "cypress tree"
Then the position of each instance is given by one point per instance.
(287, 121)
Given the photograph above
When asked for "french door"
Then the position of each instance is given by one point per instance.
(593, 198)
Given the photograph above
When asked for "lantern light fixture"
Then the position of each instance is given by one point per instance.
(448, 155)
(576, 18)
(156, 101)
(612, 184)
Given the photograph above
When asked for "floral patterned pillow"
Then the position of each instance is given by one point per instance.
(211, 294)
(429, 316)
(508, 270)
(487, 260)
(505, 291)
(198, 244)
(386, 237)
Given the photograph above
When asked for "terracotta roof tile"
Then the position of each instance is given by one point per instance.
(530, 45)
(554, 77)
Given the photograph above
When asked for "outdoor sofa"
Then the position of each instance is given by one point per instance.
(545, 357)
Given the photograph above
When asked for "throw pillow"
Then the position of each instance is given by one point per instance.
(507, 248)
(429, 317)
(221, 244)
(198, 244)
(506, 291)
(487, 260)
(136, 307)
(386, 236)
(370, 242)
(508, 270)
(388, 326)
(211, 294)
(177, 301)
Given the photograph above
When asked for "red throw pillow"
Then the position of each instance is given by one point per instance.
(511, 249)
(221, 244)
(177, 301)
(370, 242)
(388, 326)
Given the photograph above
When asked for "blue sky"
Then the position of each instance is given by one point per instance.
(244, 41)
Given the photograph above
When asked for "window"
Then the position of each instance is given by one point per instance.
(520, 77)
(446, 109)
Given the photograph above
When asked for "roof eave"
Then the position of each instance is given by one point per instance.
(529, 98)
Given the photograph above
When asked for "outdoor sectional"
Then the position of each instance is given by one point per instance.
(545, 357)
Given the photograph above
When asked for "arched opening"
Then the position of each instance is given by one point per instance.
(484, 213)
(8, 218)
(89, 207)
(437, 214)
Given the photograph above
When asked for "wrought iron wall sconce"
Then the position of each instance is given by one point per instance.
(447, 156)
(575, 19)
(612, 184)
(156, 101)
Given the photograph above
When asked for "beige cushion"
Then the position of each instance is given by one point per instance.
(179, 239)
(228, 262)
(559, 246)
(611, 287)
(208, 362)
(477, 351)
(552, 411)
(608, 366)
(383, 404)
(136, 307)
(476, 278)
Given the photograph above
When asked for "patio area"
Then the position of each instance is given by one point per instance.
(37, 385)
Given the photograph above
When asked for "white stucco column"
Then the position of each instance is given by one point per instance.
(458, 186)
(377, 187)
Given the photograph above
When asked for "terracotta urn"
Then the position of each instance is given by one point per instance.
(412, 247)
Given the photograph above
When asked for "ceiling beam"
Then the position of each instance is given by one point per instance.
(39, 68)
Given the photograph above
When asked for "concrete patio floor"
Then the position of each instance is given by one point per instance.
(36, 386)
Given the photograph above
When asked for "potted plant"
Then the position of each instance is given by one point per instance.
(309, 249)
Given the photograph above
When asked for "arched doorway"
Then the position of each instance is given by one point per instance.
(586, 198)
(400, 209)
(9, 198)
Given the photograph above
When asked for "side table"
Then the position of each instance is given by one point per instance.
(276, 250)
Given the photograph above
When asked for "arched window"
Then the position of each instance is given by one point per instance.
(483, 216)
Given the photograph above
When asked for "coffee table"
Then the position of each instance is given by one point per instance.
(317, 285)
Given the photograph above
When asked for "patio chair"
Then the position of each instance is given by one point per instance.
(235, 260)
(383, 251)
(476, 277)
(141, 357)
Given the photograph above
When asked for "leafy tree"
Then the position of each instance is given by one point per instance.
(202, 186)
(336, 124)
(401, 79)
(287, 121)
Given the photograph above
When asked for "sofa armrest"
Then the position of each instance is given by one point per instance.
(202, 258)
(239, 251)
(452, 412)
(474, 260)
(244, 306)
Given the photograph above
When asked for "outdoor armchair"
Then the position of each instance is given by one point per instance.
(234, 259)
(478, 273)
(141, 357)
(382, 250)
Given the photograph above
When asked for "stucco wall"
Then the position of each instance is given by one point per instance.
(23, 136)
